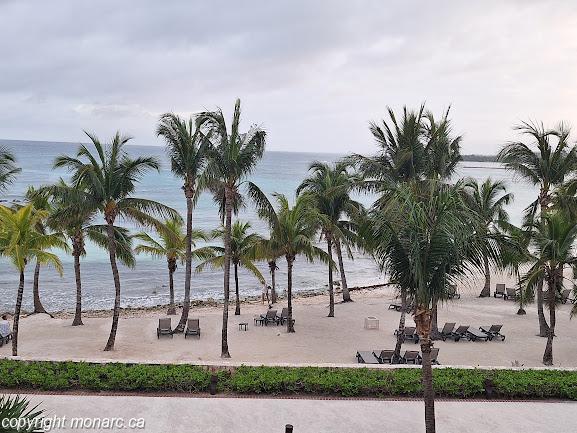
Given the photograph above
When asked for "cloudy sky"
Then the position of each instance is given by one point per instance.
(313, 73)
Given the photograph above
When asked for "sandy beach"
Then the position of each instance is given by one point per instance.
(318, 339)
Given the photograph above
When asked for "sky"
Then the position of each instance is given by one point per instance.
(311, 73)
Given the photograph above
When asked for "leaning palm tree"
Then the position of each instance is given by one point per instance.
(424, 240)
(21, 242)
(330, 186)
(233, 156)
(293, 229)
(488, 200)
(547, 162)
(187, 150)
(243, 250)
(8, 169)
(72, 216)
(105, 181)
(268, 250)
(553, 240)
(172, 246)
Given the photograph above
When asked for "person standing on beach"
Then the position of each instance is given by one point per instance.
(4, 327)
(265, 292)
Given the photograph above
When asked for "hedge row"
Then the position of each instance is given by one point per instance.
(352, 382)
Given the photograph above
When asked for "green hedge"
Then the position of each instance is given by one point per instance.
(347, 382)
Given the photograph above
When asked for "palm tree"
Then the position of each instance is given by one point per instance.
(232, 157)
(187, 151)
(293, 230)
(330, 186)
(488, 200)
(171, 245)
(553, 240)
(443, 150)
(8, 169)
(425, 239)
(39, 201)
(106, 181)
(268, 250)
(547, 161)
(243, 251)
(21, 242)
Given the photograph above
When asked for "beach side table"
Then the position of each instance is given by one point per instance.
(258, 320)
(371, 323)
(243, 326)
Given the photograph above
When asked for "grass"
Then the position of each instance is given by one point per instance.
(345, 382)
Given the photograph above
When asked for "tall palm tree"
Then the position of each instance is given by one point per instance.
(233, 156)
(330, 186)
(547, 161)
(442, 149)
(171, 245)
(21, 242)
(488, 200)
(243, 253)
(106, 181)
(40, 201)
(553, 240)
(268, 250)
(424, 240)
(187, 150)
(293, 229)
(8, 169)
(72, 216)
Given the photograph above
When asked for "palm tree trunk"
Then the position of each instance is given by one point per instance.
(486, 292)
(38, 307)
(331, 288)
(548, 355)
(543, 327)
(289, 324)
(78, 311)
(272, 267)
(344, 286)
(428, 391)
(188, 266)
(116, 312)
(17, 314)
(171, 308)
(435, 334)
(401, 330)
(237, 308)
(227, 235)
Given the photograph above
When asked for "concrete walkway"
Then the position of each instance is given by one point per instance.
(250, 415)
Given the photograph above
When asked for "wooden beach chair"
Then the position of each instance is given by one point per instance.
(410, 334)
(477, 335)
(192, 328)
(499, 290)
(511, 294)
(447, 330)
(164, 328)
(459, 333)
(493, 331)
(384, 356)
(411, 357)
(270, 317)
(366, 357)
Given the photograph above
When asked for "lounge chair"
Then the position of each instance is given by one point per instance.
(447, 331)
(459, 333)
(283, 316)
(477, 335)
(270, 317)
(385, 356)
(411, 357)
(164, 328)
(565, 296)
(366, 357)
(434, 356)
(192, 328)
(493, 331)
(410, 334)
(452, 292)
(510, 295)
(499, 290)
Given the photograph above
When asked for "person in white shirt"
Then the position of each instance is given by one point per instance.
(5, 330)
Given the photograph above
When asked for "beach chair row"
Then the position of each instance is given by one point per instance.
(465, 332)
(165, 328)
(271, 317)
(386, 357)
(509, 294)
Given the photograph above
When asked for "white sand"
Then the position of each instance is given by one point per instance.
(318, 339)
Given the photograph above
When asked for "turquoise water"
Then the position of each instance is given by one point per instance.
(145, 285)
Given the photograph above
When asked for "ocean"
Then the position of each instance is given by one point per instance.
(146, 284)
